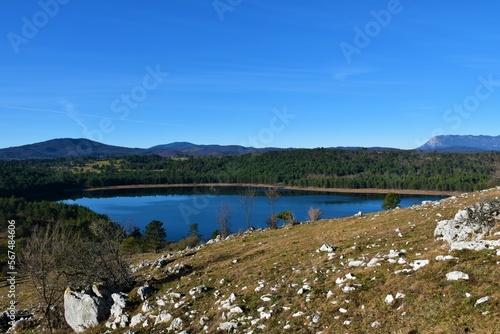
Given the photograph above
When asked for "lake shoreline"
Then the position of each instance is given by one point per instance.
(243, 185)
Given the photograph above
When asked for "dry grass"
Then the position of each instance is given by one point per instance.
(286, 258)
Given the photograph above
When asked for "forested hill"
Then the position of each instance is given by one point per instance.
(352, 169)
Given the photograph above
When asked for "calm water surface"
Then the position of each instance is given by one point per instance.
(178, 208)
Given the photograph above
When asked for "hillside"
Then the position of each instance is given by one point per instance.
(455, 143)
(67, 147)
(386, 274)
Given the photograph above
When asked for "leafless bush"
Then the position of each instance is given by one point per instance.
(314, 214)
(246, 201)
(224, 219)
(55, 258)
(273, 197)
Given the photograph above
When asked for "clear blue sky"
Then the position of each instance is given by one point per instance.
(284, 73)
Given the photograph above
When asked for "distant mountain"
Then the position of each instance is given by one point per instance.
(66, 147)
(455, 143)
(183, 148)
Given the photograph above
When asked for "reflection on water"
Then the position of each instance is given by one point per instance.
(180, 207)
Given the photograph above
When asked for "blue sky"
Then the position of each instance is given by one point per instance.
(253, 72)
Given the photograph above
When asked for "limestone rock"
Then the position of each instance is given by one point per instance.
(475, 245)
(144, 292)
(456, 275)
(472, 223)
(326, 248)
(84, 310)
(137, 320)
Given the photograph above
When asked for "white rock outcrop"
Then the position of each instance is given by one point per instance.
(84, 310)
(471, 224)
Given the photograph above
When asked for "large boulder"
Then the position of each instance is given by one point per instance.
(87, 309)
(471, 224)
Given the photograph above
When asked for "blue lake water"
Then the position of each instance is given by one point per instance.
(178, 208)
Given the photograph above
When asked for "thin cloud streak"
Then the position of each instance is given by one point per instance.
(72, 115)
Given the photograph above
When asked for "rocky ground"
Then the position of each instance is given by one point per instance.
(431, 268)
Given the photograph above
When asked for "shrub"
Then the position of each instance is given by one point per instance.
(186, 242)
(314, 214)
(391, 201)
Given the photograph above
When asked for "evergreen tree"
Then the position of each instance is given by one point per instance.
(155, 235)
(391, 201)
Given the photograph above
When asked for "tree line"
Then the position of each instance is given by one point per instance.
(324, 168)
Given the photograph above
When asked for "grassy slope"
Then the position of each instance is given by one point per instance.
(283, 260)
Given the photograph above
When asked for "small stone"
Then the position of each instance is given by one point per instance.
(176, 325)
(456, 275)
(347, 289)
(236, 310)
(357, 263)
(342, 310)
(265, 315)
(375, 324)
(326, 248)
(482, 300)
(389, 299)
(137, 319)
(416, 265)
(400, 295)
(266, 298)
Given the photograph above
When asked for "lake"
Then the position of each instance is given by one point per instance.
(178, 208)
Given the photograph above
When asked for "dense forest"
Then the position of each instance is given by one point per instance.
(328, 168)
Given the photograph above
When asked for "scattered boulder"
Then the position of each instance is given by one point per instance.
(326, 248)
(416, 265)
(456, 275)
(472, 223)
(145, 292)
(176, 325)
(137, 320)
(84, 310)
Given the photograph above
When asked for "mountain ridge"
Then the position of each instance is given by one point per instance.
(82, 147)
(462, 143)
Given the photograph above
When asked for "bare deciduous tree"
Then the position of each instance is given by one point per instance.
(224, 219)
(42, 260)
(55, 259)
(246, 200)
(273, 197)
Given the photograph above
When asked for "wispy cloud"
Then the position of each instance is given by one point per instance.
(72, 113)
(342, 73)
